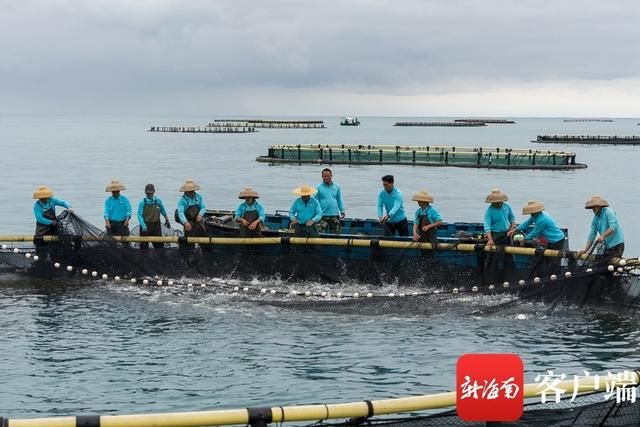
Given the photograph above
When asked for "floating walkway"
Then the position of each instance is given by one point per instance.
(269, 124)
(451, 124)
(588, 139)
(488, 121)
(470, 157)
(206, 129)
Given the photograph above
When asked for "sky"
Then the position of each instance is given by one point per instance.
(286, 57)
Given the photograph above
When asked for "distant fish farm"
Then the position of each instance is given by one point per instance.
(470, 157)
(205, 129)
(588, 139)
(269, 124)
(450, 124)
(589, 120)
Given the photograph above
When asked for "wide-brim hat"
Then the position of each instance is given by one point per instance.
(248, 192)
(189, 185)
(496, 196)
(305, 190)
(422, 196)
(114, 186)
(532, 207)
(596, 201)
(43, 192)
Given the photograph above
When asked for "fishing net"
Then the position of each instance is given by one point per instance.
(422, 281)
(586, 410)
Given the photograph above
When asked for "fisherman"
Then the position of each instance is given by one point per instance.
(191, 209)
(150, 209)
(499, 219)
(117, 210)
(330, 198)
(305, 212)
(45, 212)
(606, 227)
(426, 219)
(250, 214)
(390, 198)
(546, 232)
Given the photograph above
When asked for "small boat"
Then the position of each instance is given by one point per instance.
(350, 121)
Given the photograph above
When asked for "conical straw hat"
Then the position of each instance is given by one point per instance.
(596, 201)
(496, 196)
(532, 206)
(189, 185)
(305, 190)
(43, 192)
(422, 196)
(248, 192)
(115, 186)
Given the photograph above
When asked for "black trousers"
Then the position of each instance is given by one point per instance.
(153, 229)
(402, 227)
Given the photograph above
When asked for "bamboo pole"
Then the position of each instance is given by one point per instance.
(321, 241)
(314, 412)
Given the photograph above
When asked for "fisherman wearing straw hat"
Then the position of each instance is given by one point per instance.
(545, 231)
(191, 209)
(250, 214)
(150, 209)
(606, 227)
(330, 198)
(44, 210)
(305, 212)
(117, 210)
(426, 219)
(390, 199)
(498, 218)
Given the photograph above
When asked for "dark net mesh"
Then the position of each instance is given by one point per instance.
(423, 282)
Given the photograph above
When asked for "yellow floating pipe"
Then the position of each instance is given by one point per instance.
(312, 412)
(391, 244)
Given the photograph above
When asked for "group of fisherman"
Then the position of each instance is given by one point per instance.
(320, 209)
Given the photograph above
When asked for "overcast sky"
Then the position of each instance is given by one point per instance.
(423, 57)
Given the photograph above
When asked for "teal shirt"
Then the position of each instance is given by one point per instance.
(304, 212)
(498, 220)
(393, 203)
(117, 209)
(432, 215)
(330, 198)
(148, 201)
(245, 207)
(39, 208)
(601, 223)
(185, 202)
(543, 225)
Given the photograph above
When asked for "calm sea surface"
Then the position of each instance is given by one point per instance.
(70, 348)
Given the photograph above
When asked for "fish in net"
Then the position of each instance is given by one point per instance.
(426, 281)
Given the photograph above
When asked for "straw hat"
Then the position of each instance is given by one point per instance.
(43, 192)
(115, 186)
(422, 196)
(496, 196)
(189, 185)
(248, 192)
(305, 190)
(532, 206)
(596, 201)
